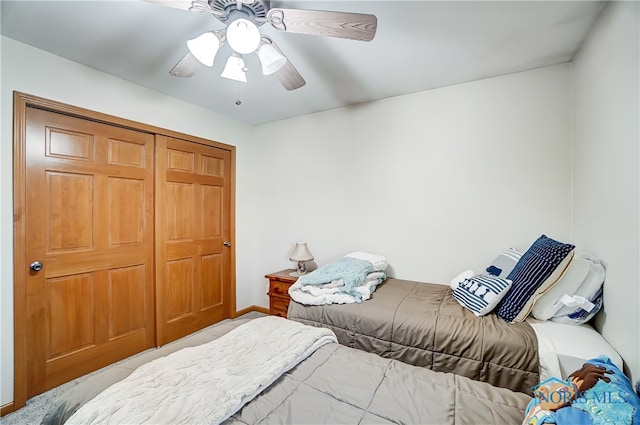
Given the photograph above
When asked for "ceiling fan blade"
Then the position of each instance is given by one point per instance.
(355, 26)
(186, 67)
(177, 4)
(288, 75)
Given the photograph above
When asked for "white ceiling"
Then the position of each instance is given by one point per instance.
(419, 45)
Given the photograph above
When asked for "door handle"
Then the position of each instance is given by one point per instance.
(36, 266)
(227, 244)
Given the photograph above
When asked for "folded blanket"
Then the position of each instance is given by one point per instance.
(351, 270)
(347, 280)
(210, 382)
(338, 285)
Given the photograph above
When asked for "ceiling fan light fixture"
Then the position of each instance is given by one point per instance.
(270, 59)
(235, 69)
(243, 36)
(204, 47)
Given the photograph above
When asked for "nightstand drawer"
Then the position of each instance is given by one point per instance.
(279, 283)
(279, 306)
(279, 288)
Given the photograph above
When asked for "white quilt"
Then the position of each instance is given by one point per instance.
(208, 383)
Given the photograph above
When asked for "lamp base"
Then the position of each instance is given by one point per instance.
(301, 269)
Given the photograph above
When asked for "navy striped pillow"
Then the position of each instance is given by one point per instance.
(533, 272)
(481, 293)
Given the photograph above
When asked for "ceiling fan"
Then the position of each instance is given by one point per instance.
(242, 19)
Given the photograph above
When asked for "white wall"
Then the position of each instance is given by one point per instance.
(438, 182)
(606, 162)
(39, 73)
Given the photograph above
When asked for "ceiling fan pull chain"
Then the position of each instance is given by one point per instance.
(238, 101)
(276, 18)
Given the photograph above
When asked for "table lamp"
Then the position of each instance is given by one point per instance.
(300, 254)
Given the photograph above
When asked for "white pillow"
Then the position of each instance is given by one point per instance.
(588, 288)
(379, 261)
(460, 278)
(549, 303)
(481, 293)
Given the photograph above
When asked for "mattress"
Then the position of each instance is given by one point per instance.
(338, 384)
(423, 325)
(564, 348)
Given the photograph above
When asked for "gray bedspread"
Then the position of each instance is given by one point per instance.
(423, 325)
(341, 385)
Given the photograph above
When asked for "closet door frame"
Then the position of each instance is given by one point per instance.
(21, 101)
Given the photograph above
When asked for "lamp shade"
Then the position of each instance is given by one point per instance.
(204, 47)
(270, 59)
(243, 36)
(234, 70)
(301, 253)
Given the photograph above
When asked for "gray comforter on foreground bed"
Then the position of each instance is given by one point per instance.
(341, 385)
(423, 325)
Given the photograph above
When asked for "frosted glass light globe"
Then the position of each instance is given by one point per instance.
(204, 47)
(243, 36)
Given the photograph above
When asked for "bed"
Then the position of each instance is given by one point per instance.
(335, 384)
(423, 325)
(274, 370)
(477, 326)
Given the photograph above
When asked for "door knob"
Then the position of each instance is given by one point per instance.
(36, 266)
(227, 244)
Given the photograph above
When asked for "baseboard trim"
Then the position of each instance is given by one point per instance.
(7, 408)
(250, 309)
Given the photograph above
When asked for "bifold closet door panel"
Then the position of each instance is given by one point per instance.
(89, 241)
(193, 286)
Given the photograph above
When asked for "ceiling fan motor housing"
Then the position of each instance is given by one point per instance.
(230, 12)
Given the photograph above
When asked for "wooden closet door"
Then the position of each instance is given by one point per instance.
(192, 237)
(89, 221)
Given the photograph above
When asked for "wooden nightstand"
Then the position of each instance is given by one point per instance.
(279, 283)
